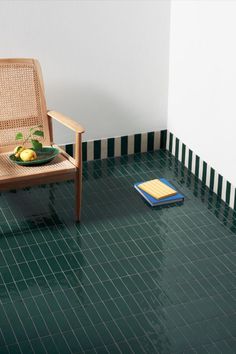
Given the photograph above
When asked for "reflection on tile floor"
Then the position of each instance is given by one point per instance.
(128, 279)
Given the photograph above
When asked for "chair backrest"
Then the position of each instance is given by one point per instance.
(22, 101)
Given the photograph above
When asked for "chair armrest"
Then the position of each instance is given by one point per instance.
(68, 122)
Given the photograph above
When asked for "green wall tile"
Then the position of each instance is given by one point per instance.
(219, 189)
(163, 139)
(171, 142)
(84, 151)
(197, 166)
(183, 153)
(228, 191)
(204, 172)
(235, 199)
(124, 145)
(150, 141)
(110, 147)
(137, 143)
(69, 149)
(212, 178)
(190, 158)
(177, 148)
(97, 149)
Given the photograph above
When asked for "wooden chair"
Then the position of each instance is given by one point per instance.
(23, 106)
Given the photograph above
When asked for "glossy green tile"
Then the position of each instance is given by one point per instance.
(204, 172)
(150, 141)
(171, 143)
(14, 348)
(190, 159)
(163, 139)
(97, 149)
(197, 166)
(128, 278)
(84, 151)
(228, 190)
(105, 334)
(124, 145)
(137, 143)
(212, 178)
(61, 343)
(176, 148)
(69, 149)
(219, 188)
(235, 199)
(110, 147)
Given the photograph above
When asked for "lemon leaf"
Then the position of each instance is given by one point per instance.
(38, 133)
(36, 144)
(19, 136)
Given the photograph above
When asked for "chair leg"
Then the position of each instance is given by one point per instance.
(78, 193)
(78, 176)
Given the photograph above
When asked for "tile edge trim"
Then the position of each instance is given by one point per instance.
(202, 170)
(119, 146)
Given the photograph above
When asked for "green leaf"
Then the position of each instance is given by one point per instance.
(36, 144)
(38, 133)
(19, 136)
(37, 126)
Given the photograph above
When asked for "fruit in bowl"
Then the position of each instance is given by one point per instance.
(37, 154)
(18, 149)
(28, 155)
(25, 154)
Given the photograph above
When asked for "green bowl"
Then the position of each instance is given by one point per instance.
(43, 156)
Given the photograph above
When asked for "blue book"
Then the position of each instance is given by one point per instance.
(164, 201)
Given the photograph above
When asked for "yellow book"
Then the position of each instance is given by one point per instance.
(157, 189)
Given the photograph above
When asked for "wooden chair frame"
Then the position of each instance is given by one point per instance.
(72, 173)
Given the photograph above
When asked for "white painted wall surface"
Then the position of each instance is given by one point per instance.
(105, 63)
(202, 81)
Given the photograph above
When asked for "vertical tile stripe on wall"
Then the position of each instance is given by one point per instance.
(163, 141)
(119, 146)
(207, 174)
(124, 145)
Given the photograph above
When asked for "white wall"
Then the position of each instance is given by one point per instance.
(105, 63)
(202, 81)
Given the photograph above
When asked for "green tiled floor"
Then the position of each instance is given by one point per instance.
(128, 279)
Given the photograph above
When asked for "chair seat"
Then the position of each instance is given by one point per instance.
(9, 171)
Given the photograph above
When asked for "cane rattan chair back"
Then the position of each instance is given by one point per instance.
(22, 107)
(22, 101)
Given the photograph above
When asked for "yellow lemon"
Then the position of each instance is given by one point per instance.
(18, 150)
(28, 155)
